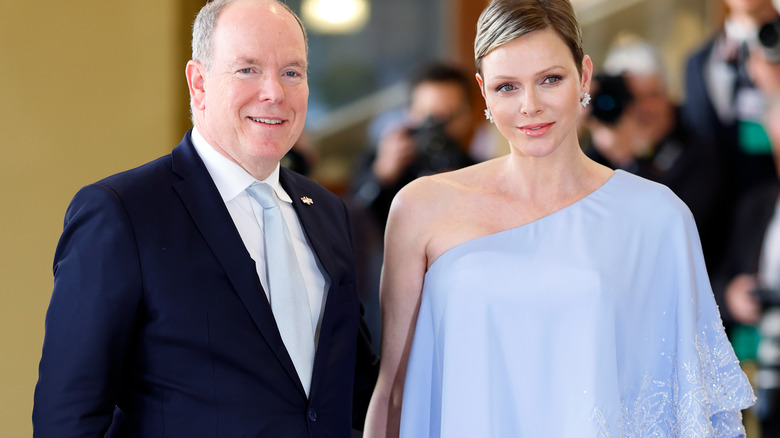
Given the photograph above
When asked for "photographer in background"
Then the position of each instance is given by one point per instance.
(748, 284)
(433, 134)
(722, 102)
(433, 137)
(635, 126)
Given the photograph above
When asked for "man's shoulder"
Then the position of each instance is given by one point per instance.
(181, 161)
(147, 184)
(139, 173)
(702, 52)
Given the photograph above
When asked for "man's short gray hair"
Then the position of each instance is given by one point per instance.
(206, 21)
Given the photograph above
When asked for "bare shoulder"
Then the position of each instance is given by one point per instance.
(429, 215)
(423, 199)
(436, 195)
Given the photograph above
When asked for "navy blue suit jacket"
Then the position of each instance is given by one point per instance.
(158, 325)
(742, 171)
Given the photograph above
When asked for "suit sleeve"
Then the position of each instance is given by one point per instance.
(90, 320)
(366, 372)
(366, 360)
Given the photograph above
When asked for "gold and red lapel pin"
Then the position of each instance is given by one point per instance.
(307, 200)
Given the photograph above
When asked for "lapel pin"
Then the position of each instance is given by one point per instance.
(307, 200)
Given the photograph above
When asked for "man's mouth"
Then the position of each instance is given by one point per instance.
(266, 121)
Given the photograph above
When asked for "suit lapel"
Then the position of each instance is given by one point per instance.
(321, 243)
(308, 213)
(201, 198)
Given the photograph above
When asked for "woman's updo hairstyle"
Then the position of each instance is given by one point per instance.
(504, 20)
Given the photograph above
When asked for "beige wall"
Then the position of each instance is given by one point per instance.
(87, 88)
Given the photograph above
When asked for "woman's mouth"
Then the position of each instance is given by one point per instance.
(536, 130)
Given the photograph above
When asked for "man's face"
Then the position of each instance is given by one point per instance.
(253, 103)
(652, 107)
(749, 6)
(443, 101)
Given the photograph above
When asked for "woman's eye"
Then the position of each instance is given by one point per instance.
(505, 87)
(552, 79)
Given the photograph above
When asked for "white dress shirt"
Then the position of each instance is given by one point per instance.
(232, 181)
(720, 78)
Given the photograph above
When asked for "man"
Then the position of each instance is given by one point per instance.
(747, 285)
(433, 137)
(722, 102)
(160, 322)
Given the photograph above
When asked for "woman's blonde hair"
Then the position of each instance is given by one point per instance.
(505, 20)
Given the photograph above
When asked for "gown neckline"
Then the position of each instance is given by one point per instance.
(577, 203)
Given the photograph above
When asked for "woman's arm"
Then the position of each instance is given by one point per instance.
(405, 263)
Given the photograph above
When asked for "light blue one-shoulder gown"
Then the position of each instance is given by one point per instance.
(595, 321)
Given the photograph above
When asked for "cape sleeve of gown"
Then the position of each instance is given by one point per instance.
(705, 388)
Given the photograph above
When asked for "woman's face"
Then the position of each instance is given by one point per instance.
(532, 87)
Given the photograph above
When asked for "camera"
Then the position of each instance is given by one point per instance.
(769, 37)
(436, 151)
(611, 98)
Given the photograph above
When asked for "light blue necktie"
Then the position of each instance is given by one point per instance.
(288, 297)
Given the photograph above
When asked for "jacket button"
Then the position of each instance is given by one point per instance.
(312, 414)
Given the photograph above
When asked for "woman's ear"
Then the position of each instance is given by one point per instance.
(587, 73)
(481, 84)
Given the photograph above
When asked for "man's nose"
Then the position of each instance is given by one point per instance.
(271, 89)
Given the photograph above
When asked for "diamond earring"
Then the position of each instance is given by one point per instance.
(585, 100)
(489, 116)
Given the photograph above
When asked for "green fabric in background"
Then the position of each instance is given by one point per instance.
(753, 139)
(744, 339)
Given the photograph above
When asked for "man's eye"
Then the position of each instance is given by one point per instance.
(245, 71)
(291, 74)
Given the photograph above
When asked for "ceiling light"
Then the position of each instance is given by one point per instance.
(335, 16)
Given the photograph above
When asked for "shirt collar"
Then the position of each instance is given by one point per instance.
(230, 178)
(739, 32)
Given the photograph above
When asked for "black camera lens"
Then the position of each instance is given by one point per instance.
(611, 98)
(769, 37)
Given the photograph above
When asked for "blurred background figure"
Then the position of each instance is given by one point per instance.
(433, 133)
(303, 156)
(748, 283)
(722, 102)
(635, 125)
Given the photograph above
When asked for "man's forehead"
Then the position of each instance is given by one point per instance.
(263, 13)
(242, 31)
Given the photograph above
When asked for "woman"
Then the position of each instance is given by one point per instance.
(542, 294)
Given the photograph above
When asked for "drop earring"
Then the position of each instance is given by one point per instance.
(585, 100)
(489, 116)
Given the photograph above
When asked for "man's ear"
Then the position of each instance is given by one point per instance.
(196, 78)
